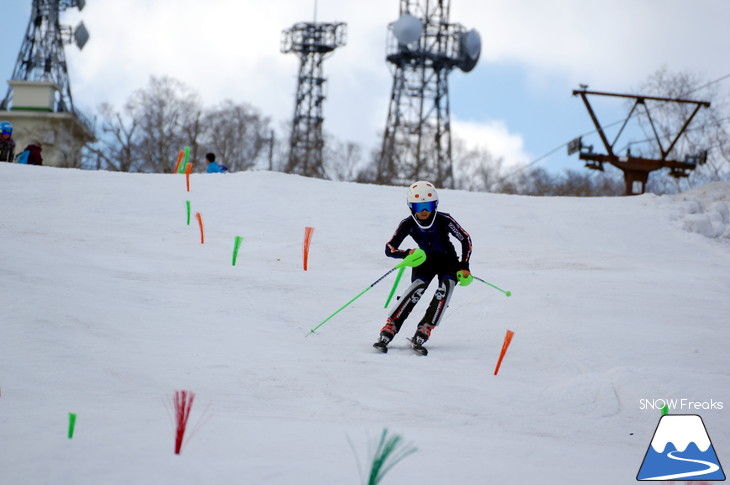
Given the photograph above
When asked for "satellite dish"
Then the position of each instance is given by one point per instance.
(407, 29)
(470, 47)
(81, 35)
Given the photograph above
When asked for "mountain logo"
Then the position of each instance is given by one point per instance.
(680, 450)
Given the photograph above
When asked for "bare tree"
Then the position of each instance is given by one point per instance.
(570, 183)
(475, 169)
(237, 133)
(709, 130)
(160, 119)
(368, 173)
(192, 129)
(116, 147)
(166, 112)
(341, 159)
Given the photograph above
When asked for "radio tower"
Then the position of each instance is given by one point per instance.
(423, 48)
(42, 57)
(313, 42)
(38, 101)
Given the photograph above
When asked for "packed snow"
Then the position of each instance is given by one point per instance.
(110, 304)
(706, 210)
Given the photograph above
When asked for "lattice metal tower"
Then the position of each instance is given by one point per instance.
(423, 48)
(312, 41)
(42, 55)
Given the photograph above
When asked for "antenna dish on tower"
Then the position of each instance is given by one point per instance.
(81, 35)
(407, 29)
(470, 47)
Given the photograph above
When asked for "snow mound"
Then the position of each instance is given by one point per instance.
(706, 210)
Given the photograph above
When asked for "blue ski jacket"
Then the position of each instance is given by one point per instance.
(214, 167)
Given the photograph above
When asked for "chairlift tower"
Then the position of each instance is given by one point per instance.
(423, 48)
(313, 42)
(42, 58)
(636, 169)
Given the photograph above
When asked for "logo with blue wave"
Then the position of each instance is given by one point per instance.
(680, 450)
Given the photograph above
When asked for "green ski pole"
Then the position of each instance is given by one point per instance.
(416, 258)
(349, 302)
(395, 286)
(506, 293)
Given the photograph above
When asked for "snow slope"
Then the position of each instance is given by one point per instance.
(109, 303)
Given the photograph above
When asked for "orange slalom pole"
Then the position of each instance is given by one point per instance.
(188, 169)
(307, 240)
(505, 345)
(179, 159)
(200, 223)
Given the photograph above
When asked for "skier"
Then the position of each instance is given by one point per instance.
(430, 230)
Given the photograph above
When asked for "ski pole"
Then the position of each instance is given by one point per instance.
(395, 286)
(414, 259)
(506, 293)
(349, 302)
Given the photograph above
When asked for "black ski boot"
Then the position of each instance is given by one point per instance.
(382, 343)
(417, 343)
(386, 335)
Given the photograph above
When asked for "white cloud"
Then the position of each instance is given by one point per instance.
(493, 137)
(615, 44)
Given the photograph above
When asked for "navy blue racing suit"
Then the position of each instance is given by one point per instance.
(441, 261)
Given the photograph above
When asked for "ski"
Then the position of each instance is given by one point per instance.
(420, 349)
(380, 347)
(383, 347)
(417, 348)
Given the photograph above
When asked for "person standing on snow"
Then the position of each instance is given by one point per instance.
(430, 230)
(7, 144)
(34, 153)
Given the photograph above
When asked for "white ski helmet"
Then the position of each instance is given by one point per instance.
(422, 195)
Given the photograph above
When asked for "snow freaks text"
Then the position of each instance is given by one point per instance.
(679, 404)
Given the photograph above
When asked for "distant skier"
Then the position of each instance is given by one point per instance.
(213, 166)
(430, 230)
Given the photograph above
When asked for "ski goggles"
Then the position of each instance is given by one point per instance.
(423, 206)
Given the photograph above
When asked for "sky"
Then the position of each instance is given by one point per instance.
(110, 303)
(517, 103)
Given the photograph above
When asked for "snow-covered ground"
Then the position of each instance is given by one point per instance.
(109, 303)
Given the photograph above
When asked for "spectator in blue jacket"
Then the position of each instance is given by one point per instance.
(213, 166)
(34, 153)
